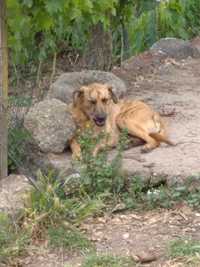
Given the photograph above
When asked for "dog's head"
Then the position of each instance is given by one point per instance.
(95, 101)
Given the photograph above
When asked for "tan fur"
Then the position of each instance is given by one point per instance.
(97, 106)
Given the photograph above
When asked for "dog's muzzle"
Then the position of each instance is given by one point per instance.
(100, 120)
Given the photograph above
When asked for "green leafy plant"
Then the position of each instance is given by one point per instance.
(40, 29)
(98, 175)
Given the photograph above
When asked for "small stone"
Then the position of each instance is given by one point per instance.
(126, 236)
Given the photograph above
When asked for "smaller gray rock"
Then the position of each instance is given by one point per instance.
(50, 125)
(67, 83)
(13, 189)
(60, 163)
(175, 48)
(196, 44)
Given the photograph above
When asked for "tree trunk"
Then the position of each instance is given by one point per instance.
(99, 52)
(3, 90)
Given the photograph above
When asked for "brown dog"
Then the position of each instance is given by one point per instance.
(97, 105)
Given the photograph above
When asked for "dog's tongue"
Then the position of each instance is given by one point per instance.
(99, 122)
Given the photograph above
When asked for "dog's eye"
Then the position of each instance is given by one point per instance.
(105, 100)
(93, 102)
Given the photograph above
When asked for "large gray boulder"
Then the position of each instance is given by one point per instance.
(50, 125)
(67, 83)
(175, 48)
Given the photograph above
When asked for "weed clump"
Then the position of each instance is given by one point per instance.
(13, 239)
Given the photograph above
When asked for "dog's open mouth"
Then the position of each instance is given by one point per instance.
(99, 121)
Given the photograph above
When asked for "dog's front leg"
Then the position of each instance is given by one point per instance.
(98, 148)
(105, 144)
(75, 148)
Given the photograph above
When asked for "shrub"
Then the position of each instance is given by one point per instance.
(97, 174)
(48, 206)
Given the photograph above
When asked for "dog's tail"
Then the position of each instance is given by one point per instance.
(159, 133)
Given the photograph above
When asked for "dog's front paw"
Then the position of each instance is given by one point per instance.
(76, 156)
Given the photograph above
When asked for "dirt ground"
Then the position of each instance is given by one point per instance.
(144, 233)
(133, 234)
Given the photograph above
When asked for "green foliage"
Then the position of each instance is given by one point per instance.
(107, 261)
(142, 32)
(68, 238)
(192, 16)
(173, 18)
(39, 29)
(171, 21)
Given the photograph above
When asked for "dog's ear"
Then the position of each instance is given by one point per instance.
(77, 94)
(113, 95)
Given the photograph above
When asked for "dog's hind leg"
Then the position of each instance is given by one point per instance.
(136, 130)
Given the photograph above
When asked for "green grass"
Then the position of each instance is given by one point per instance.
(13, 239)
(182, 248)
(68, 238)
(185, 252)
(107, 261)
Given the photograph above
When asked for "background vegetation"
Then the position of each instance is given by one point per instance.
(40, 29)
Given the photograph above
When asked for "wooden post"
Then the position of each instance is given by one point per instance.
(3, 90)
